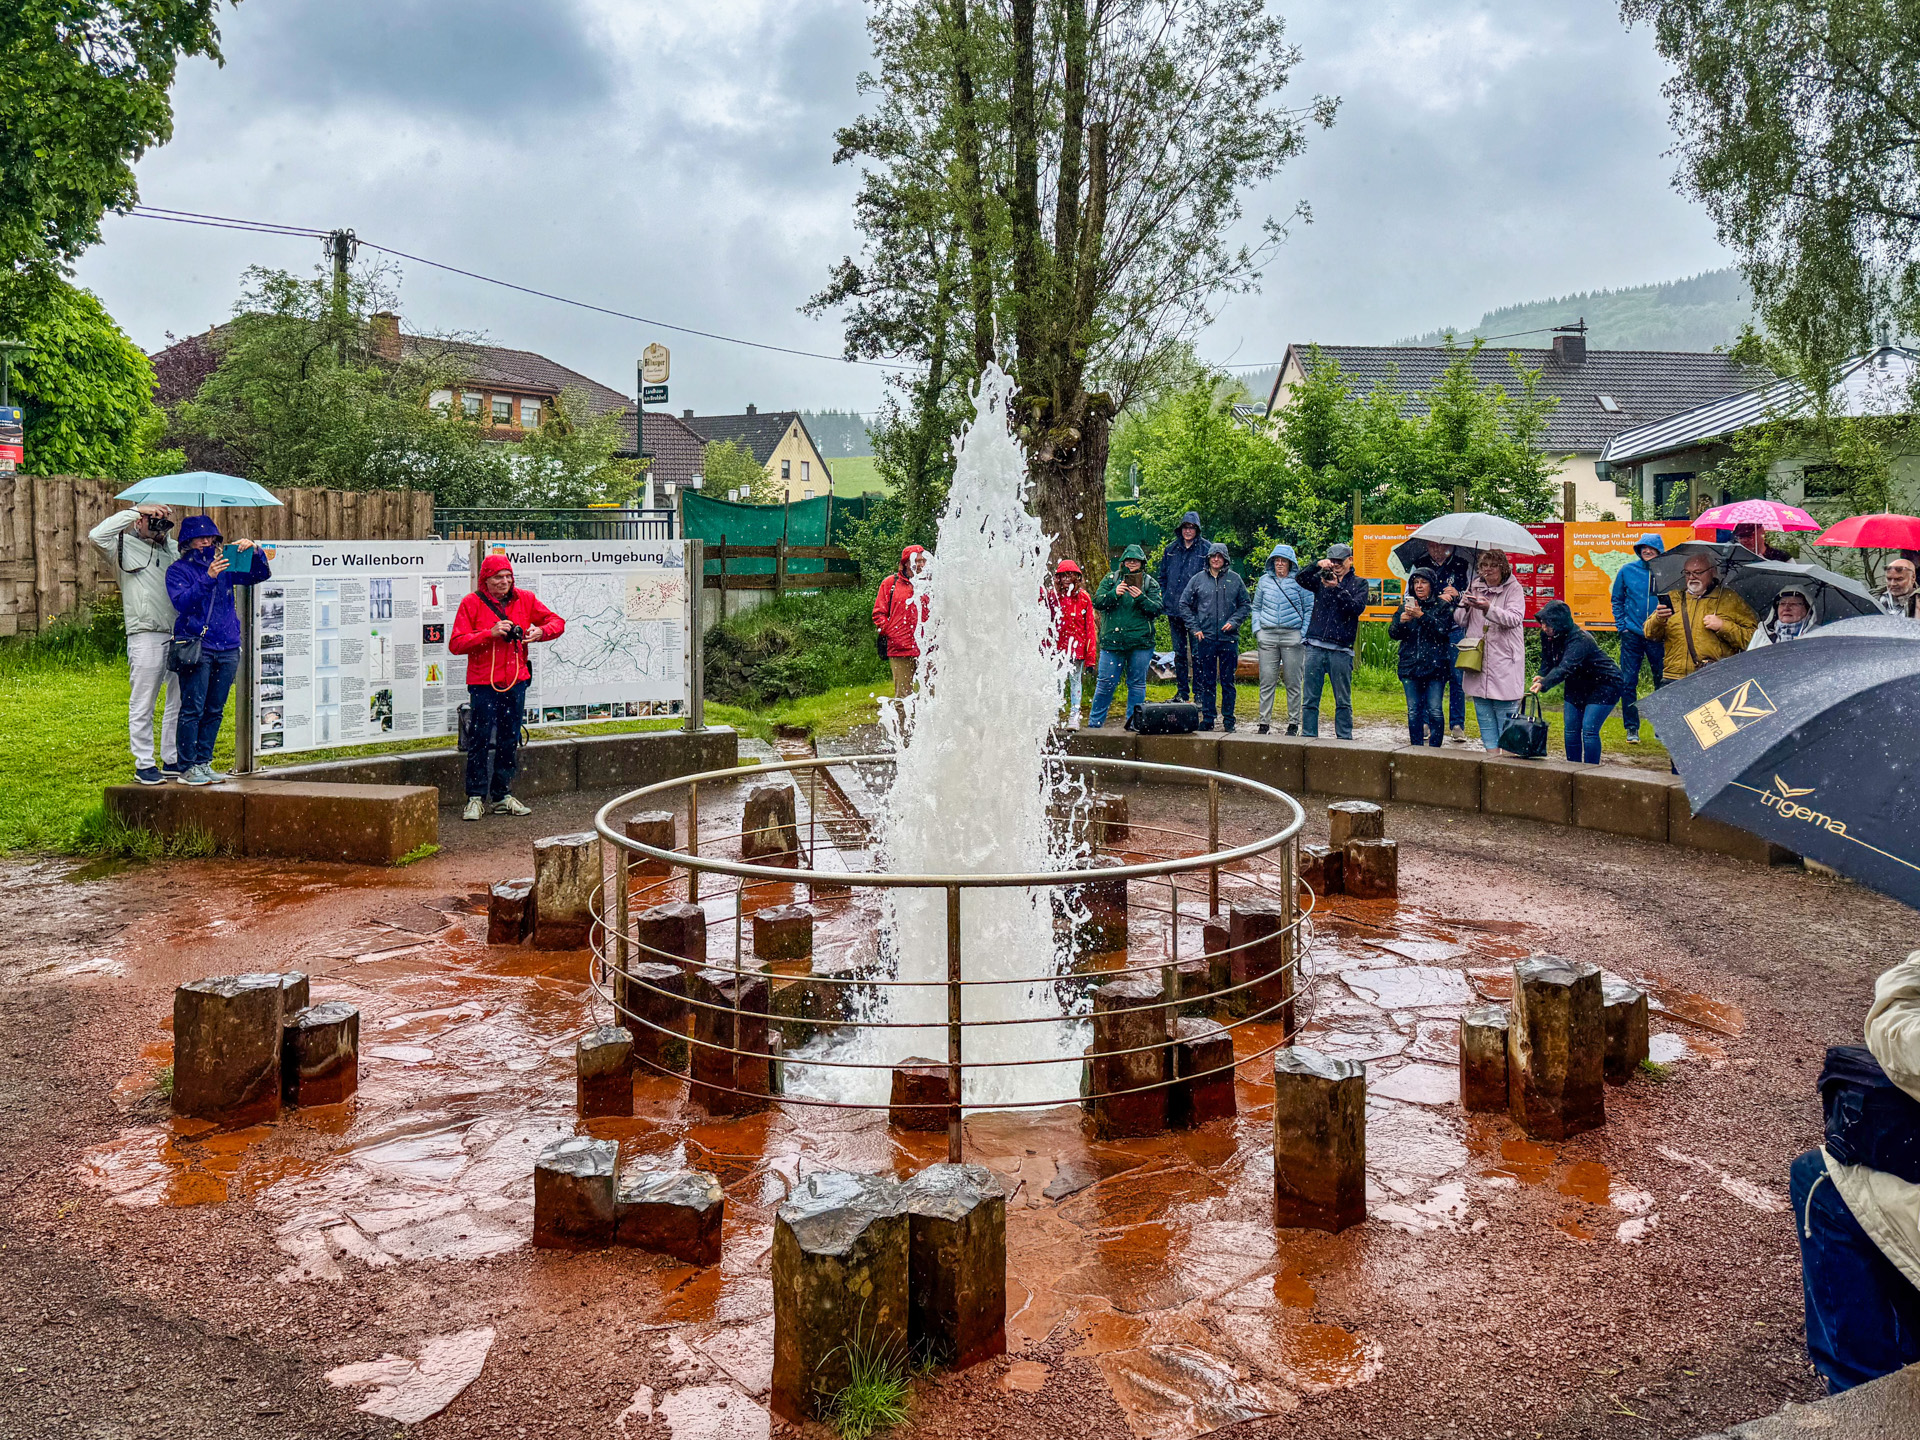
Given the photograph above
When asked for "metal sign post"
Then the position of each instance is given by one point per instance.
(243, 710)
(695, 552)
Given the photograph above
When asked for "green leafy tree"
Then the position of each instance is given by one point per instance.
(83, 94)
(1800, 132)
(85, 387)
(730, 466)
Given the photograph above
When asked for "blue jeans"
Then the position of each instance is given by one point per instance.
(493, 739)
(1456, 693)
(1183, 642)
(1635, 647)
(1425, 723)
(1863, 1314)
(1114, 664)
(1216, 659)
(1337, 666)
(203, 704)
(1581, 730)
(1494, 715)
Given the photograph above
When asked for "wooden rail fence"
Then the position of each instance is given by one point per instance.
(48, 568)
(779, 581)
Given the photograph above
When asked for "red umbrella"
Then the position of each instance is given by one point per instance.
(1875, 532)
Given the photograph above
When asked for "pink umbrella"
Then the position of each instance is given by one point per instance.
(1767, 514)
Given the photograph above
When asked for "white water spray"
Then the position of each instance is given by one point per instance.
(970, 796)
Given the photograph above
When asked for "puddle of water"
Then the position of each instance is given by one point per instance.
(1672, 1047)
(1419, 1084)
(1406, 987)
(409, 1391)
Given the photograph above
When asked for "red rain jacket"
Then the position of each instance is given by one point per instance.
(1075, 634)
(895, 613)
(491, 660)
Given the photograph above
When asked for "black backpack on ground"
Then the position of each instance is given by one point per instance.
(1869, 1120)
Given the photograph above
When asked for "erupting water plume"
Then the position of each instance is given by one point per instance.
(971, 794)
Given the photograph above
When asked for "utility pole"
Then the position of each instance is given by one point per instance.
(342, 245)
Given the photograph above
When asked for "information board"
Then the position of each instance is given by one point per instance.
(1594, 555)
(1373, 546)
(350, 642)
(625, 604)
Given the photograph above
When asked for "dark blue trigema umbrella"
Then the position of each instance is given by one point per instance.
(1813, 744)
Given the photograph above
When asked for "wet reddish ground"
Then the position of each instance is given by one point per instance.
(164, 1278)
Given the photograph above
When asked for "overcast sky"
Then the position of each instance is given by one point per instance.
(673, 158)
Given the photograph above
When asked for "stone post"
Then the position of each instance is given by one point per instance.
(1203, 1071)
(840, 1282)
(769, 827)
(294, 995)
(1319, 1140)
(1483, 1058)
(1556, 1048)
(603, 1072)
(724, 1082)
(671, 1212)
(1216, 943)
(566, 873)
(1320, 869)
(573, 1194)
(676, 929)
(957, 1264)
(510, 908)
(919, 1086)
(1349, 820)
(1625, 1008)
(654, 999)
(783, 933)
(1105, 928)
(1262, 960)
(1370, 869)
(1109, 813)
(655, 828)
(1129, 1013)
(320, 1055)
(226, 1048)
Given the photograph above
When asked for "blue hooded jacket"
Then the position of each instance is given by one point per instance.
(1180, 563)
(203, 600)
(1633, 598)
(1281, 604)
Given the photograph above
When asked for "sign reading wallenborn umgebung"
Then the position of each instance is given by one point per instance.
(623, 651)
(350, 642)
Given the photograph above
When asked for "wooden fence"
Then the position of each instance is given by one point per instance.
(49, 568)
(780, 578)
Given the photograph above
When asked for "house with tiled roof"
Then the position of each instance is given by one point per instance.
(1600, 393)
(779, 440)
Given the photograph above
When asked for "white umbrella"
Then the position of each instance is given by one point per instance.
(1477, 531)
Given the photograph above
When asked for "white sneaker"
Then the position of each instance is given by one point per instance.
(476, 807)
(1633, 737)
(511, 806)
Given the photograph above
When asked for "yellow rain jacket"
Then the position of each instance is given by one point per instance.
(1687, 624)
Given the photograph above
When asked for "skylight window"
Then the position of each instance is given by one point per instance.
(1609, 404)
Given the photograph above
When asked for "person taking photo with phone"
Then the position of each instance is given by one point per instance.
(137, 544)
(493, 628)
(1129, 601)
(1701, 623)
(205, 651)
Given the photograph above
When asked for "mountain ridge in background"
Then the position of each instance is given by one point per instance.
(1701, 312)
(838, 432)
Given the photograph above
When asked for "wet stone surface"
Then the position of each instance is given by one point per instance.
(573, 1194)
(656, 828)
(652, 997)
(1129, 1059)
(227, 1033)
(920, 1095)
(603, 1071)
(1320, 869)
(320, 1055)
(1319, 1140)
(510, 912)
(673, 1212)
(1556, 1048)
(957, 1263)
(1483, 1058)
(675, 929)
(1349, 820)
(1625, 1010)
(783, 932)
(566, 872)
(1370, 869)
(770, 834)
(1203, 1066)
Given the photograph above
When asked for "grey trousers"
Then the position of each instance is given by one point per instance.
(1283, 659)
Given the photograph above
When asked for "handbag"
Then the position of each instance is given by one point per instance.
(184, 651)
(1526, 733)
(1472, 655)
(1869, 1120)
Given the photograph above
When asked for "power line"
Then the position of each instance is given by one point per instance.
(227, 222)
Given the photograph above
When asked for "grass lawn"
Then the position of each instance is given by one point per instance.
(854, 475)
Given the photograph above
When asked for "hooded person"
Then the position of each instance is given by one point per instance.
(1633, 602)
(139, 549)
(1700, 623)
(1076, 638)
(1282, 610)
(494, 627)
(1590, 681)
(898, 612)
(1789, 618)
(200, 585)
(1491, 614)
(1129, 600)
(1422, 626)
(1215, 606)
(1184, 558)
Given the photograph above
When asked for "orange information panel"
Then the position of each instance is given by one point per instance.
(1593, 555)
(1373, 560)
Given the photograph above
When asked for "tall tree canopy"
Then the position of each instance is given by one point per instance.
(1051, 184)
(83, 94)
(1800, 132)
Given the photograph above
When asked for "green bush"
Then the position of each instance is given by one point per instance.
(801, 645)
(95, 632)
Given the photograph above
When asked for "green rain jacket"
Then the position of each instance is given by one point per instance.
(1126, 622)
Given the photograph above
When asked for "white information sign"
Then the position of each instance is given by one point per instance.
(625, 604)
(350, 642)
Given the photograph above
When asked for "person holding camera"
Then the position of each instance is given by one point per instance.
(1215, 605)
(1491, 614)
(205, 651)
(899, 609)
(493, 628)
(1701, 623)
(1339, 599)
(137, 544)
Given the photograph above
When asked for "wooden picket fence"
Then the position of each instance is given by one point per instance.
(48, 567)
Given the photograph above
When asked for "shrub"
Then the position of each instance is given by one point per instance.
(801, 645)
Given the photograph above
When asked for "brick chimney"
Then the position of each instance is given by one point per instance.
(1570, 349)
(384, 326)
(687, 414)
(753, 409)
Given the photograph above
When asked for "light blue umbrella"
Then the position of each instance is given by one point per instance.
(197, 488)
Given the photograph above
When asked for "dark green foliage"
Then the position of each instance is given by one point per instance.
(92, 634)
(798, 646)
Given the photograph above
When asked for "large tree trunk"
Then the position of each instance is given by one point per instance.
(1067, 459)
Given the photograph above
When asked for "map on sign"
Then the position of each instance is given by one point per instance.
(1608, 561)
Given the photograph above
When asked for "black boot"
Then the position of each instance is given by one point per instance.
(1293, 729)
(1261, 730)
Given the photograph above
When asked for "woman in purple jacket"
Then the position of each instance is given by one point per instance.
(200, 584)
(1493, 610)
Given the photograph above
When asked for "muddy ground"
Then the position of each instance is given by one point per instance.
(1638, 1281)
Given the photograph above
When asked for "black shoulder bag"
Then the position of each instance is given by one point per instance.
(1869, 1120)
(183, 654)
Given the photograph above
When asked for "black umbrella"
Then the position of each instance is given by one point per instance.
(1412, 554)
(1813, 745)
(1834, 596)
(1669, 570)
